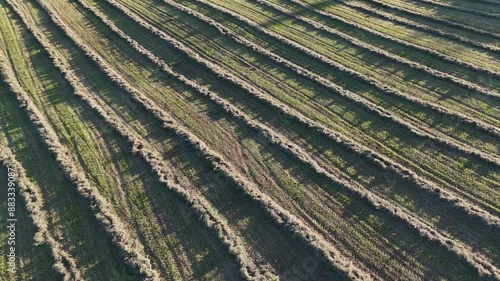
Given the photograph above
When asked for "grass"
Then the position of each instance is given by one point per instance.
(463, 17)
(360, 60)
(34, 261)
(130, 195)
(317, 149)
(216, 161)
(387, 101)
(448, 48)
(377, 129)
(467, 35)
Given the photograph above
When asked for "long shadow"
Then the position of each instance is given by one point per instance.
(68, 208)
(32, 260)
(358, 211)
(442, 16)
(196, 240)
(325, 96)
(284, 251)
(397, 48)
(243, 133)
(417, 77)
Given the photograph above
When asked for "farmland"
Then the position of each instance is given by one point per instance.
(251, 139)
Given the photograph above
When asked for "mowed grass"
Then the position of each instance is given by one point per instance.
(388, 184)
(368, 34)
(353, 121)
(143, 202)
(471, 35)
(253, 228)
(399, 76)
(404, 33)
(67, 210)
(463, 17)
(409, 111)
(71, 218)
(34, 262)
(124, 48)
(177, 240)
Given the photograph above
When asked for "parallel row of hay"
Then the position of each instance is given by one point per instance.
(397, 105)
(93, 165)
(154, 59)
(360, 232)
(434, 28)
(179, 235)
(316, 18)
(190, 237)
(65, 200)
(407, 97)
(435, 45)
(441, 18)
(440, 138)
(46, 259)
(486, 1)
(362, 45)
(411, 43)
(224, 104)
(484, 266)
(87, 27)
(386, 75)
(292, 224)
(223, 30)
(248, 269)
(299, 105)
(412, 21)
(233, 247)
(142, 214)
(64, 263)
(480, 5)
(71, 77)
(432, 4)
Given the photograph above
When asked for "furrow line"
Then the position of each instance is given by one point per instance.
(131, 247)
(281, 216)
(64, 264)
(477, 260)
(371, 155)
(444, 140)
(461, 9)
(435, 19)
(413, 24)
(384, 53)
(249, 270)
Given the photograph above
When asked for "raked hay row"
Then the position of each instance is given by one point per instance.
(249, 140)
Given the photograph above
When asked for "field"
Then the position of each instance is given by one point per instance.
(250, 139)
